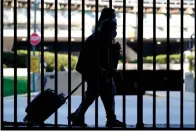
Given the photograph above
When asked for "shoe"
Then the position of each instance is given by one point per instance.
(76, 121)
(115, 123)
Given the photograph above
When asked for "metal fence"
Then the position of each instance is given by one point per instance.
(167, 77)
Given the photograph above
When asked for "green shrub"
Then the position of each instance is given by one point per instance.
(147, 59)
(191, 59)
(22, 60)
(162, 59)
(133, 61)
(174, 58)
(4, 66)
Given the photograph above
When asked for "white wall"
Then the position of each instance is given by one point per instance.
(189, 82)
(62, 82)
(76, 77)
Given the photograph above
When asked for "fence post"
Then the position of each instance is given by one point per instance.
(2, 59)
(140, 123)
(154, 61)
(182, 63)
(168, 64)
(15, 64)
(56, 57)
(124, 59)
(69, 60)
(29, 80)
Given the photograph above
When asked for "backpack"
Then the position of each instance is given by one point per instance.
(81, 65)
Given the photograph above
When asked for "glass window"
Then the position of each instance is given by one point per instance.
(131, 19)
(21, 15)
(175, 20)
(189, 21)
(161, 20)
(64, 13)
(22, 11)
(148, 19)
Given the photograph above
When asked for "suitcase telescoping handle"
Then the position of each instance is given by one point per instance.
(69, 95)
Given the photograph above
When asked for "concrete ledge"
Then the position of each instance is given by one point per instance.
(189, 82)
(148, 93)
(149, 66)
(76, 79)
(22, 95)
(146, 66)
(10, 72)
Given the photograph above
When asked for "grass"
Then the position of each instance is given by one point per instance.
(8, 85)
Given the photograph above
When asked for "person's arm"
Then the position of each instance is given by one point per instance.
(116, 49)
(115, 53)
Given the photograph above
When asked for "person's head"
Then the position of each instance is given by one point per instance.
(107, 13)
(108, 28)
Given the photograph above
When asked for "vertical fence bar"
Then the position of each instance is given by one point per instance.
(168, 62)
(56, 57)
(124, 59)
(83, 39)
(15, 63)
(2, 62)
(69, 59)
(154, 61)
(182, 63)
(29, 53)
(42, 46)
(195, 71)
(110, 61)
(97, 81)
(140, 64)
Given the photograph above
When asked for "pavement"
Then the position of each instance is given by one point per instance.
(131, 109)
(148, 93)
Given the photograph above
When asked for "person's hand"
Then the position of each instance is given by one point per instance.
(116, 46)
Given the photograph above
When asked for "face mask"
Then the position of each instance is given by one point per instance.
(114, 33)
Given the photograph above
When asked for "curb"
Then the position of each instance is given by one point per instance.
(22, 95)
(157, 95)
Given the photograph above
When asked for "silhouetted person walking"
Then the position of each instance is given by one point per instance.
(96, 70)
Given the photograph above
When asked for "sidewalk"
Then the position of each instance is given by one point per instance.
(33, 94)
(131, 110)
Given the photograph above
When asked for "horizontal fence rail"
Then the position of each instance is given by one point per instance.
(52, 96)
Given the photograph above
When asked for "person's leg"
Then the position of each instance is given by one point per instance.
(108, 97)
(107, 94)
(89, 97)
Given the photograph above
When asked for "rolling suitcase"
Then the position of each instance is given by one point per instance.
(43, 106)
